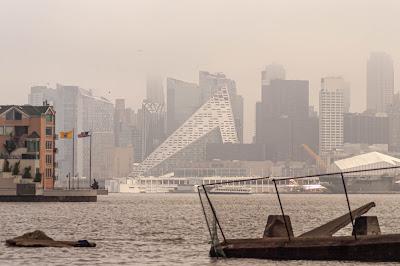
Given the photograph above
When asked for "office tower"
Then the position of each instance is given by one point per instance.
(40, 94)
(283, 123)
(123, 125)
(153, 126)
(154, 89)
(286, 98)
(183, 99)
(213, 122)
(347, 97)
(331, 111)
(209, 83)
(79, 110)
(366, 128)
(271, 72)
(380, 82)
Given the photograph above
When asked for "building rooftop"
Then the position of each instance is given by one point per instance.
(367, 161)
(27, 109)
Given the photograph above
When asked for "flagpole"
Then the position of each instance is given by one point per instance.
(73, 152)
(90, 159)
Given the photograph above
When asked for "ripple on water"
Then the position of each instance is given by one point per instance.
(166, 229)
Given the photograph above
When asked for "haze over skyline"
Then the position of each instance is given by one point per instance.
(110, 46)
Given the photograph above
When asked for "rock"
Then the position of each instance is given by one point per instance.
(40, 239)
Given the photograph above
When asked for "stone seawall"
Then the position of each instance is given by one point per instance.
(42, 198)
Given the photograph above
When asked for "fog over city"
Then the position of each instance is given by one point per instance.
(111, 46)
(199, 132)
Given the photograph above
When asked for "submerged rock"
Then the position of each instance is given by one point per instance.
(40, 239)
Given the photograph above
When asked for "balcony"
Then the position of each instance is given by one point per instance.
(23, 156)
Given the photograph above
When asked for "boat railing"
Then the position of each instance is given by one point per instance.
(212, 214)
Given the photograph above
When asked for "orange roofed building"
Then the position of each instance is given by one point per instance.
(27, 137)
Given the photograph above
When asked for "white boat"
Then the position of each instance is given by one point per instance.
(230, 190)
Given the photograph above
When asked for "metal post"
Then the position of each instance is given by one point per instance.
(214, 213)
(73, 152)
(205, 215)
(280, 205)
(69, 180)
(90, 159)
(348, 205)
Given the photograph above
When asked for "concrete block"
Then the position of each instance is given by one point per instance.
(367, 225)
(276, 226)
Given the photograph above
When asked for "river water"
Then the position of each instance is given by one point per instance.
(168, 229)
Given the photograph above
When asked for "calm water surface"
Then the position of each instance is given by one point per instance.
(168, 229)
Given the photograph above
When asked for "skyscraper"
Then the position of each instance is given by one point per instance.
(331, 113)
(380, 82)
(79, 110)
(282, 120)
(211, 123)
(153, 126)
(123, 125)
(154, 89)
(271, 72)
(183, 99)
(347, 97)
(209, 83)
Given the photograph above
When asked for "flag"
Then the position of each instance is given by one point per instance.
(84, 134)
(66, 135)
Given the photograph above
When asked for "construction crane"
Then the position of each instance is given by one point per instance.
(319, 162)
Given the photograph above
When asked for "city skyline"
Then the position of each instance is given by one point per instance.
(115, 55)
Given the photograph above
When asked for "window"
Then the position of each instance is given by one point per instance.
(33, 146)
(49, 145)
(1, 131)
(13, 115)
(49, 118)
(9, 130)
(49, 131)
(19, 131)
(48, 172)
(49, 159)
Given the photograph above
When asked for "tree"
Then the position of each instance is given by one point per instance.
(38, 177)
(6, 166)
(15, 170)
(27, 172)
(10, 146)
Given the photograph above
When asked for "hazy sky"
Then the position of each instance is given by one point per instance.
(109, 46)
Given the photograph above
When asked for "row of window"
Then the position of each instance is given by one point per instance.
(7, 130)
(49, 172)
(49, 159)
(20, 130)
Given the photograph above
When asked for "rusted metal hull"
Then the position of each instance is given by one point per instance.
(382, 248)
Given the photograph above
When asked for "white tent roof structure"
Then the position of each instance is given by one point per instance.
(366, 161)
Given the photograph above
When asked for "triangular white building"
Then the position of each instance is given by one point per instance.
(212, 122)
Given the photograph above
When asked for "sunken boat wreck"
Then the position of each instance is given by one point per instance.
(366, 242)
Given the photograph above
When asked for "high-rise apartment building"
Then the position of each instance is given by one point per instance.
(331, 113)
(79, 110)
(380, 82)
(213, 122)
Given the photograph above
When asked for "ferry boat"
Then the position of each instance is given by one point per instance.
(230, 190)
